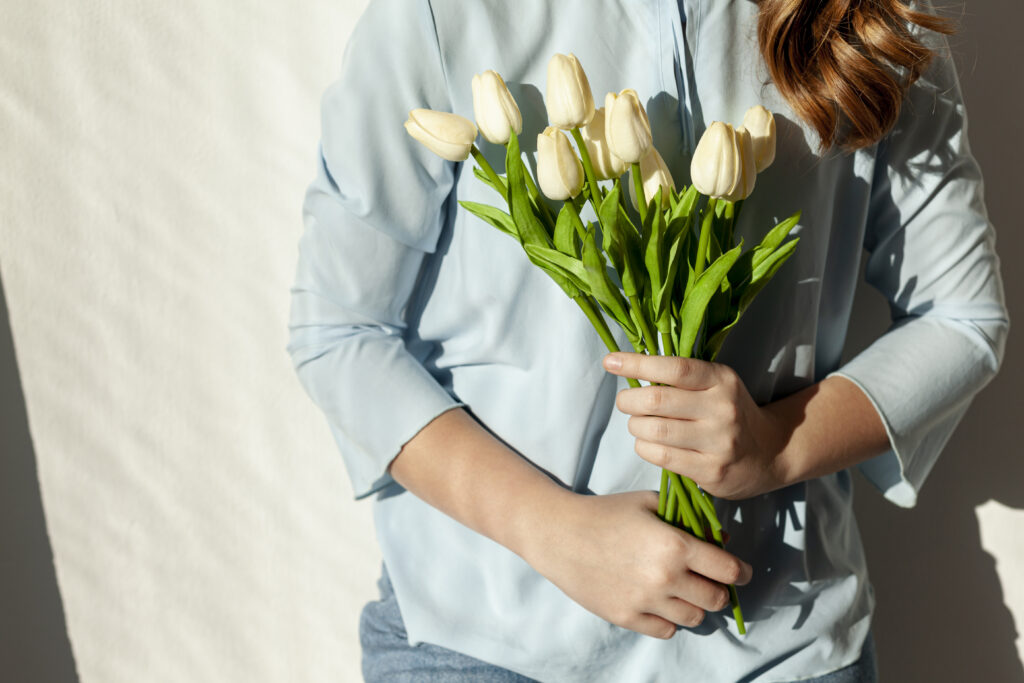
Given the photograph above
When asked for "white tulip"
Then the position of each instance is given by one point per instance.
(655, 174)
(606, 165)
(496, 112)
(559, 171)
(723, 163)
(760, 123)
(627, 130)
(569, 101)
(449, 136)
(748, 169)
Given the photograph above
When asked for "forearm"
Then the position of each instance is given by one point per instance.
(824, 428)
(460, 468)
(611, 553)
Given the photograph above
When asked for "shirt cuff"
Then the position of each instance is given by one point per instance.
(376, 397)
(921, 377)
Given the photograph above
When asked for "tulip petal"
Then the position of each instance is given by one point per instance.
(448, 135)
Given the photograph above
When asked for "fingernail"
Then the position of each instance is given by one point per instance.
(612, 362)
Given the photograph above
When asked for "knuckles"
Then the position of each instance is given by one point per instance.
(653, 400)
(682, 370)
(729, 412)
(649, 400)
(695, 619)
(656, 454)
(717, 473)
(731, 573)
(721, 599)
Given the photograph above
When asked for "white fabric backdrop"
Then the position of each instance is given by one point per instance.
(154, 160)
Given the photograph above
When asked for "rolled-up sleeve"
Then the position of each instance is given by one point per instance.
(931, 253)
(371, 216)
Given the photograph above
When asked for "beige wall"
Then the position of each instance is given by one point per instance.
(159, 462)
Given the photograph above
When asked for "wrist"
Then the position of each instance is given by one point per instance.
(542, 514)
(783, 460)
(823, 428)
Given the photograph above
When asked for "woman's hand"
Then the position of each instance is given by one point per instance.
(702, 423)
(616, 558)
(609, 553)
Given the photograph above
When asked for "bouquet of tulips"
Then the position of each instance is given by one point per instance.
(663, 264)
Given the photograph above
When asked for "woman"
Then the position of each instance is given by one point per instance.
(466, 391)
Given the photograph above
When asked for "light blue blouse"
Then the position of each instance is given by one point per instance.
(404, 306)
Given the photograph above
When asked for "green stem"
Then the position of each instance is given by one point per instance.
(663, 495)
(577, 204)
(700, 498)
(705, 237)
(716, 533)
(645, 327)
(729, 215)
(689, 516)
(597, 320)
(672, 507)
(737, 613)
(537, 201)
(588, 168)
(666, 341)
(736, 212)
(488, 169)
(638, 189)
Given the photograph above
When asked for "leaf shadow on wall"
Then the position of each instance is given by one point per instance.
(34, 644)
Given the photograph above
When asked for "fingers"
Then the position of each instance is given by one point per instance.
(718, 565)
(698, 592)
(688, 462)
(651, 625)
(663, 401)
(685, 373)
(683, 613)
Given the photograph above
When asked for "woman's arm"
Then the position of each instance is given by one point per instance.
(704, 424)
(611, 554)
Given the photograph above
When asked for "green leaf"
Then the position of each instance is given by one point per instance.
(608, 217)
(529, 228)
(496, 217)
(502, 189)
(601, 286)
(744, 268)
(654, 243)
(684, 206)
(620, 241)
(744, 295)
(566, 240)
(570, 267)
(556, 273)
(696, 299)
(714, 248)
(766, 270)
(664, 295)
(774, 238)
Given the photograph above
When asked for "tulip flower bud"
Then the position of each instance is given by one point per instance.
(748, 168)
(655, 174)
(495, 110)
(627, 130)
(723, 163)
(449, 136)
(569, 101)
(760, 123)
(559, 171)
(606, 165)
